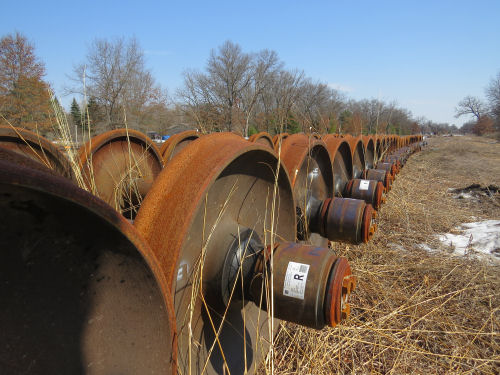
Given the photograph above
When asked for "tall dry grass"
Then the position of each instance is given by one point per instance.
(414, 311)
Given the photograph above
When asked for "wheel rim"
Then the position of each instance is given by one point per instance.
(340, 153)
(95, 303)
(263, 138)
(36, 147)
(358, 157)
(309, 166)
(369, 151)
(220, 197)
(176, 143)
(119, 167)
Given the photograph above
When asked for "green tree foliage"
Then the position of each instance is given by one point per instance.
(76, 114)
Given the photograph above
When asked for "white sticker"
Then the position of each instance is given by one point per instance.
(295, 280)
(363, 184)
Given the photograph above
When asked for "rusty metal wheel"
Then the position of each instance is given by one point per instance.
(358, 157)
(262, 138)
(340, 152)
(212, 203)
(119, 166)
(369, 147)
(309, 166)
(37, 148)
(81, 291)
(280, 137)
(176, 143)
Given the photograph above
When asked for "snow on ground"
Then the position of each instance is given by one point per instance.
(481, 236)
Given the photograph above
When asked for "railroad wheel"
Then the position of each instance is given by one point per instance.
(358, 157)
(369, 148)
(262, 138)
(176, 143)
(340, 152)
(309, 166)
(280, 137)
(211, 204)
(37, 148)
(119, 167)
(81, 292)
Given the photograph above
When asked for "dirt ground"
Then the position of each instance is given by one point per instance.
(416, 311)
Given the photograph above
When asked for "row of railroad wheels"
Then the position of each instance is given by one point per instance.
(179, 259)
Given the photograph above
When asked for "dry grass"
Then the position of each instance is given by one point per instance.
(414, 311)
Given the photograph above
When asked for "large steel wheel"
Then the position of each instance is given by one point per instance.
(81, 292)
(358, 157)
(340, 152)
(176, 143)
(36, 147)
(369, 147)
(309, 166)
(119, 167)
(262, 138)
(207, 214)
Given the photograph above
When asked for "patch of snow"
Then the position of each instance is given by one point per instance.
(482, 236)
(463, 196)
(425, 247)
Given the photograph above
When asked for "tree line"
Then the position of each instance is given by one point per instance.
(243, 92)
(485, 114)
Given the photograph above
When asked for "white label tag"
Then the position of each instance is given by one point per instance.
(295, 280)
(363, 184)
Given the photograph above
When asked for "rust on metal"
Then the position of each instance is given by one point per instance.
(263, 138)
(340, 153)
(36, 147)
(358, 156)
(309, 165)
(215, 194)
(371, 191)
(370, 152)
(119, 166)
(89, 289)
(326, 282)
(176, 143)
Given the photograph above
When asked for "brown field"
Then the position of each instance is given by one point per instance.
(415, 311)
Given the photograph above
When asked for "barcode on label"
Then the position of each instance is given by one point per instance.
(363, 184)
(295, 280)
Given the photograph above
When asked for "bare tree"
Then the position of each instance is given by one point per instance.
(229, 75)
(116, 76)
(264, 69)
(493, 95)
(470, 105)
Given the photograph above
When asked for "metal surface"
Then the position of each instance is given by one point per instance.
(308, 163)
(211, 195)
(176, 143)
(340, 153)
(369, 147)
(263, 138)
(119, 167)
(371, 191)
(37, 148)
(343, 219)
(358, 157)
(81, 292)
(327, 283)
(380, 175)
(277, 138)
(389, 167)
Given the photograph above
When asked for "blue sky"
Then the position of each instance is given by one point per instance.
(426, 55)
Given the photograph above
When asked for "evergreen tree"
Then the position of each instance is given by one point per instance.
(76, 115)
